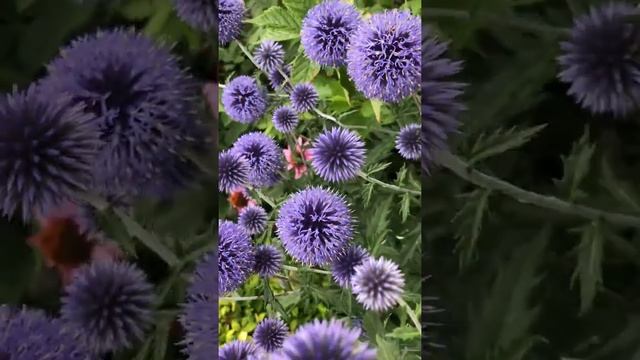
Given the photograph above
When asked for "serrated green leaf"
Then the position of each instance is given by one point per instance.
(576, 167)
(500, 141)
(377, 168)
(387, 349)
(299, 8)
(468, 222)
(367, 192)
(405, 207)
(588, 269)
(622, 191)
(303, 70)
(279, 22)
(404, 333)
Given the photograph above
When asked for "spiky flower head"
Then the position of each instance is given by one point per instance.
(230, 15)
(239, 350)
(46, 152)
(276, 79)
(383, 59)
(269, 55)
(264, 156)
(244, 100)
(325, 340)
(304, 97)
(441, 104)
(110, 304)
(253, 219)
(285, 119)
(200, 312)
(29, 334)
(236, 256)
(337, 154)
(233, 171)
(343, 267)
(409, 142)
(327, 30)
(197, 13)
(268, 260)
(601, 62)
(315, 225)
(378, 284)
(270, 334)
(143, 105)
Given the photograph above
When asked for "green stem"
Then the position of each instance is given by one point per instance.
(253, 298)
(317, 271)
(464, 171)
(412, 315)
(388, 186)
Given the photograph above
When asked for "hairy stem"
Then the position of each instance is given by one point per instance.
(388, 186)
(317, 271)
(253, 298)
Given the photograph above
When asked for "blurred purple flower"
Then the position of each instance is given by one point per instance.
(343, 267)
(408, 142)
(268, 260)
(230, 16)
(200, 314)
(266, 161)
(197, 13)
(304, 97)
(236, 256)
(337, 154)
(269, 56)
(285, 119)
(377, 284)
(270, 334)
(244, 100)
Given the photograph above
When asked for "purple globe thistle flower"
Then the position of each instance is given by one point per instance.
(200, 313)
(236, 256)
(440, 97)
(230, 15)
(326, 31)
(30, 334)
(46, 152)
(600, 60)
(143, 104)
(110, 303)
(383, 59)
(269, 56)
(244, 100)
(264, 156)
(253, 219)
(408, 142)
(344, 265)
(378, 284)
(315, 225)
(276, 79)
(337, 154)
(325, 340)
(239, 350)
(285, 119)
(268, 260)
(197, 13)
(233, 171)
(270, 334)
(304, 97)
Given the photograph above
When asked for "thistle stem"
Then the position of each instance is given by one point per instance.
(317, 271)
(253, 298)
(388, 186)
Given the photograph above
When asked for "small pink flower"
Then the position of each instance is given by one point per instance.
(302, 153)
(239, 199)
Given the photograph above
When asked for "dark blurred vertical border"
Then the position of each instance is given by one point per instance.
(215, 111)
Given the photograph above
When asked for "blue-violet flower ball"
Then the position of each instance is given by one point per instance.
(230, 15)
(270, 334)
(269, 56)
(46, 153)
(239, 350)
(244, 100)
(409, 142)
(253, 219)
(337, 154)
(276, 80)
(236, 256)
(268, 260)
(378, 284)
(110, 303)
(233, 171)
(383, 59)
(327, 30)
(315, 225)
(304, 97)
(197, 13)
(343, 267)
(601, 59)
(325, 340)
(285, 119)
(265, 158)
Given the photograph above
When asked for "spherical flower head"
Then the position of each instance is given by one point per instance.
(264, 156)
(230, 15)
(143, 104)
(285, 119)
(600, 60)
(236, 256)
(343, 267)
(30, 334)
(326, 31)
(233, 171)
(253, 219)
(409, 142)
(378, 284)
(268, 260)
(441, 105)
(304, 97)
(269, 55)
(200, 312)
(383, 59)
(325, 340)
(270, 334)
(46, 153)
(276, 79)
(244, 100)
(110, 303)
(337, 154)
(315, 225)
(239, 350)
(197, 13)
